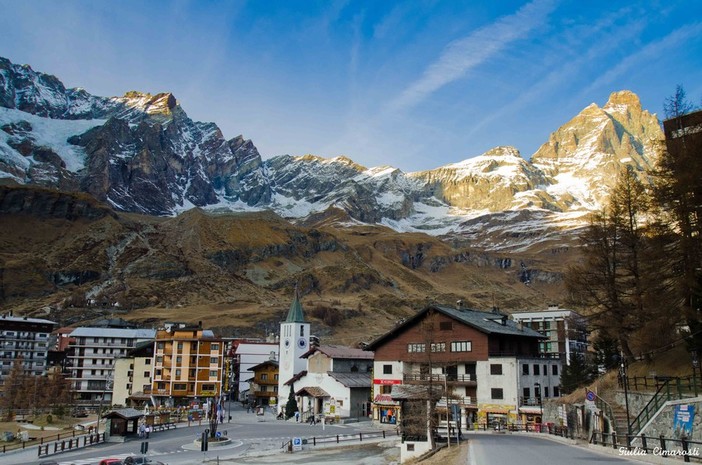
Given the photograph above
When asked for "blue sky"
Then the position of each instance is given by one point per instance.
(415, 84)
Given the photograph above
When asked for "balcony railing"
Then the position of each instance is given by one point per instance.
(438, 378)
(530, 402)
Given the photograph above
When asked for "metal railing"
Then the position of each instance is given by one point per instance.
(662, 395)
(339, 438)
(643, 445)
(438, 377)
(683, 386)
(70, 444)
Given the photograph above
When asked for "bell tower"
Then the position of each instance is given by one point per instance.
(294, 341)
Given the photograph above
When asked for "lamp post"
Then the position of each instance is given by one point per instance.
(537, 393)
(625, 381)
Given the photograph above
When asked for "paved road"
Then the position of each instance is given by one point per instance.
(501, 449)
(252, 436)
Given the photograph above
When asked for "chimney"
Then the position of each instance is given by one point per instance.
(459, 304)
(520, 325)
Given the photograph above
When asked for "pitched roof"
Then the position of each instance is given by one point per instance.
(340, 352)
(263, 364)
(312, 391)
(485, 322)
(352, 380)
(295, 314)
(126, 413)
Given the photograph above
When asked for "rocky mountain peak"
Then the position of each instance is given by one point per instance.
(623, 98)
(503, 151)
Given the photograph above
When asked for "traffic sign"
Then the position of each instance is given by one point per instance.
(297, 444)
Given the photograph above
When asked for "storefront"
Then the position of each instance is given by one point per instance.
(385, 410)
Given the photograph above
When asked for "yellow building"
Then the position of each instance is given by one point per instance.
(188, 365)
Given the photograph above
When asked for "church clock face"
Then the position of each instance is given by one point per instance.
(302, 343)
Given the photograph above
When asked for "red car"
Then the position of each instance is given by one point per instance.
(110, 462)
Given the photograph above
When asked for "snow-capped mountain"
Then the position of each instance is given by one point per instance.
(142, 153)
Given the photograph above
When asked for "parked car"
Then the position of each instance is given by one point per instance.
(140, 460)
(79, 413)
(110, 462)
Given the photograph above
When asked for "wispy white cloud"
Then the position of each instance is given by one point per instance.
(647, 53)
(461, 55)
(592, 41)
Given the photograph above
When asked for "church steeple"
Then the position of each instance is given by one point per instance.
(295, 314)
(294, 342)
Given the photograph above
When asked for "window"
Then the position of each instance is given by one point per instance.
(264, 376)
(147, 374)
(208, 387)
(385, 389)
(525, 368)
(496, 369)
(213, 373)
(302, 331)
(158, 372)
(179, 360)
(446, 325)
(275, 377)
(554, 370)
(410, 447)
(214, 347)
(180, 347)
(387, 369)
(180, 386)
(159, 359)
(159, 346)
(556, 391)
(545, 391)
(461, 346)
(537, 369)
(414, 347)
(264, 388)
(496, 393)
(147, 361)
(526, 393)
(177, 373)
(213, 360)
(438, 347)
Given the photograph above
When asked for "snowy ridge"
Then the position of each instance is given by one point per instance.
(141, 152)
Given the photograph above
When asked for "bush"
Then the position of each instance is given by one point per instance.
(49, 419)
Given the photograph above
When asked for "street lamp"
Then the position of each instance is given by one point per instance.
(537, 393)
(625, 381)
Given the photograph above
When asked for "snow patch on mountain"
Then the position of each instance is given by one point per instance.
(47, 132)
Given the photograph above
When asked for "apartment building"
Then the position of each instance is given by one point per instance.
(92, 355)
(565, 331)
(132, 382)
(188, 365)
(243, 355)
(25, 339)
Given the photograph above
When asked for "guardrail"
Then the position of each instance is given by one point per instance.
(643, 445)
(70, 444)
(339, 438)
